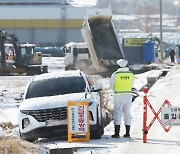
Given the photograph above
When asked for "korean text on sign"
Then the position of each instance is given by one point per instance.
(170, 116)
(78, 119)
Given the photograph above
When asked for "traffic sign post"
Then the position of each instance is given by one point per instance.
(156, 116)
(78, 122)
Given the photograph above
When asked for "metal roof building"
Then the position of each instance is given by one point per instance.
(47, 22)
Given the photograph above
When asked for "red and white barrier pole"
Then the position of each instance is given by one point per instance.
(145, 131)
(146, 127)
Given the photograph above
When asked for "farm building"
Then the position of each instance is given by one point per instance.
(45, 22)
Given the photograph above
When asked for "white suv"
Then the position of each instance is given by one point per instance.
(43, 112)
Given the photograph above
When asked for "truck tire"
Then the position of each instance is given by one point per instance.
(69, 67)
(102, 127)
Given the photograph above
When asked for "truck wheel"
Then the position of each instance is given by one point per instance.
(67, 68)
(70, 67)
(102, 127)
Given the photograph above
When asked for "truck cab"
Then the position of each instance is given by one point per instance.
(76, 56)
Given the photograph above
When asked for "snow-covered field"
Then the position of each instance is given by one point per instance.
(158, 140)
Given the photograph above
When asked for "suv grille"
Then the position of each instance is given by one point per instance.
(48, 114)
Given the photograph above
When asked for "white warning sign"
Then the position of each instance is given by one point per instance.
(78, 118)
(170, 116)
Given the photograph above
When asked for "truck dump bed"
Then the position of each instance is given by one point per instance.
(99, 34)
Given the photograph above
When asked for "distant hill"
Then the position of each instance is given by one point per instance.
(132, 6)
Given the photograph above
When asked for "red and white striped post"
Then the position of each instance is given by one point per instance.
(145, 131)
(156, 115)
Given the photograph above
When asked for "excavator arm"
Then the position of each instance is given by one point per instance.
(2, 50)
(8, 38)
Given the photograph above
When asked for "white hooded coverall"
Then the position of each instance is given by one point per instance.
(122, 102)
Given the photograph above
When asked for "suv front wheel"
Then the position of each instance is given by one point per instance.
(30, 138)
(96, 134)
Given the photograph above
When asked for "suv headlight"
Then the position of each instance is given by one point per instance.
(25, 111)
(25, 122)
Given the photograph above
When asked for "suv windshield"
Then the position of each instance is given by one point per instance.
(56, 86)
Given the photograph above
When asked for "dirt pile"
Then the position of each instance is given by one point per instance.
(14, 145)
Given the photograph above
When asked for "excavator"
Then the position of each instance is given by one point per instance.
(18, 58)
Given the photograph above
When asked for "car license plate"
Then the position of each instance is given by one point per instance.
(52, 122)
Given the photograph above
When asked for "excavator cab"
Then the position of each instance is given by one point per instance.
(9, 52)
(28, 56)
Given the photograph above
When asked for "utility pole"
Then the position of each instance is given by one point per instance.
(176, 19)
(161, 38)
(63, 23)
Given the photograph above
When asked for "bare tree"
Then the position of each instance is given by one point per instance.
(103, 3)
(145, 18)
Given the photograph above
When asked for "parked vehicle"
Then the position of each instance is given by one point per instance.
(50, 51)
(43, 111)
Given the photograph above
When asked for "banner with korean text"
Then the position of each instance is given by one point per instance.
(78, 122)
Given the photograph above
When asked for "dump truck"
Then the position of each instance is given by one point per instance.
(18, 58)
(100, 35)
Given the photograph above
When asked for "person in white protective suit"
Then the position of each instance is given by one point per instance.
(121, 83)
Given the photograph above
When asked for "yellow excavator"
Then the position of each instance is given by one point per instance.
(18, 58)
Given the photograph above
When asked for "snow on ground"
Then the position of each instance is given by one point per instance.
(158, 141)
(11, 89)
(55, 64)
